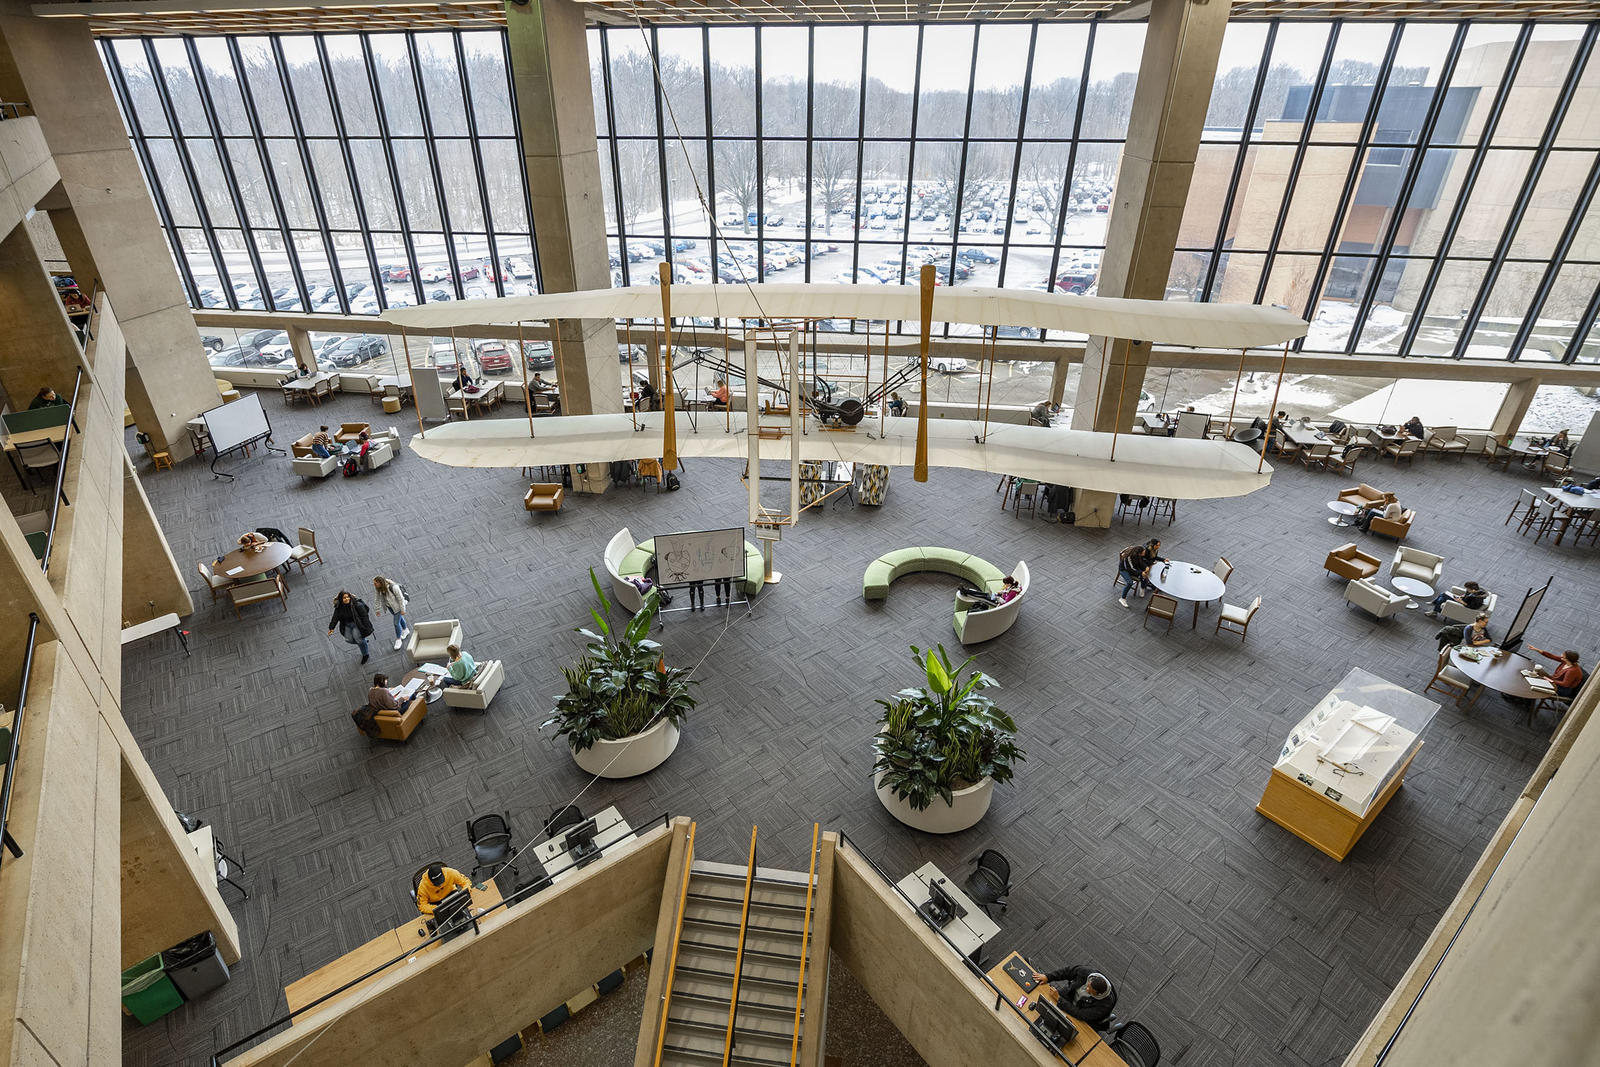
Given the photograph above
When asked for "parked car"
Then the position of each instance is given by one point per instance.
(392, 274)
(631, 354)
(237, 356)
(469, 272)
(353, 351)
(493, 356)
(682, 244)
(434, 274)
(539, 355)
(439, 296)
(212, 342)
(519, 268)
(948, 364)
(978, 255)
(1076, 282)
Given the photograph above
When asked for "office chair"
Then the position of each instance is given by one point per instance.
(990, 881)
(1135, 1044)
(562, 818)
(490, 836)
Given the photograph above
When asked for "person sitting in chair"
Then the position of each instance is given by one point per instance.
(897, 405)
(463, 379)
(1390, 511)
(647, 397)
(1085, 993)
(254, 540)
(322, 443)
(1568, 676)
(1474, 635)
(1041, 413)
(1560, 443)
(1472, 596)
(1414, 428)
(462, 667)
(539, 385)
(437, 883)
(380, 697)
(719, 394)
(46, 398)
(1010, 589)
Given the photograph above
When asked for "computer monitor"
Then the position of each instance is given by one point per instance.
(1053, 1025)
(580, 842)
(940, 908)
(450, 915)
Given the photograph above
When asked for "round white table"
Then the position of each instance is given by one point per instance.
(1412, 587)
(1503, 675)
(1187, 581)
(1342, 511)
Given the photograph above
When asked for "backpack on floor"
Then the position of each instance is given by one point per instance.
(672, 481)
(352, 467)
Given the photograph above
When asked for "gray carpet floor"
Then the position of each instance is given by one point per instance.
(1131, 824)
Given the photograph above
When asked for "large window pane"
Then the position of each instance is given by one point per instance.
(680, 53)
(348, 65)
(891, 75)
(942, 99)
(216, 66)
(1537, 86)
(487, 84)
(733, 83)
(265, 84)
(1113, 72)
(836, 98)
(441, 83)
(1238, 65)
(393, 67)
(306, 83)
(783, 81)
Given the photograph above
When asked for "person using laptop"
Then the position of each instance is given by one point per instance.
(380, 697)
(462, 666)
(436, 883)
(1083, 992)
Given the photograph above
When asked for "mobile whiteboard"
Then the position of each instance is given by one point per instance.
(235, 424)
(1524, 616)
(700, 556)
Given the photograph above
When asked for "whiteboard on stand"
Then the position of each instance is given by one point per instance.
(700, 556)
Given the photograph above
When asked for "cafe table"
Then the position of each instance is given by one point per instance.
(1187, 581)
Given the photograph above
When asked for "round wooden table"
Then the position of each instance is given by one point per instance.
(1187, 581)
(270, 558)
(1503, 675)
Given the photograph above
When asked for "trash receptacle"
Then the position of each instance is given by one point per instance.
(147, 992)
(195, 966)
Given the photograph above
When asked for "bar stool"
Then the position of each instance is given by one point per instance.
(162, 460)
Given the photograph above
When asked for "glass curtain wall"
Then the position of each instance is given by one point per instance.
(342, 173)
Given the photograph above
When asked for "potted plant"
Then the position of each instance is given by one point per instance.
(942, 747)
(623, 706)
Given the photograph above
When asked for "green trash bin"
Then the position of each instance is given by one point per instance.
(147, 992)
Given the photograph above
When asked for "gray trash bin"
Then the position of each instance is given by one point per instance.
(195, 966)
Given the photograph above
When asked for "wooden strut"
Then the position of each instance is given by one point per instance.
(920, 468)
(669, 392)
(527, 397)
(1232, 407)
(1272, 411)
(986, 352)
(805, 936)
(1121, 389)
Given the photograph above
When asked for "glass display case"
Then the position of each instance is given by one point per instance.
(1343, 761)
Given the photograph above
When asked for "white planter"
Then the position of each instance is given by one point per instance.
(967, 807)
(630, 756)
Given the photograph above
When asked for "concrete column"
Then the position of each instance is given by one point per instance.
(104, 217)
(1514, 408)
(305, 357)
(37, 345)
(1176, 72)
(550, 70)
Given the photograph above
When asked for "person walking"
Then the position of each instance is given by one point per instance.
(353, 621)
(387, 594)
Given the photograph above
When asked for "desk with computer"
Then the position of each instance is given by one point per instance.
(574, 841)
(947, 909)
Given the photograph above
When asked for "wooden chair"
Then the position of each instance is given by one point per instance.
(162, 460)
(1540, 517)
(1560, 705)
(1406, 450)
(1162, 607)
(257, 590)
(1237, 619)
(306, 551)
(1447, 680)
(1163, 505)
(1346, 461)
(1317, 455)
(215, 582)
(1223, 569)
(1526, 499)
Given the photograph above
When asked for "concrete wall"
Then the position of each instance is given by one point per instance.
(456, 1001)
(916, 980)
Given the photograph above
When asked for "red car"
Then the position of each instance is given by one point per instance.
(397, 274)
(468, 273)
(493, 356)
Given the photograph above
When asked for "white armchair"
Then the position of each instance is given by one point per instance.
(1414, 563)
(1456, 611)
(315, 466)
(485, 683)
(624, 592)
(429, 639)
(975, 626)
(1371, 597)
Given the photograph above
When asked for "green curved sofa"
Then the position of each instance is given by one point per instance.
(976, 571)
(638, 561)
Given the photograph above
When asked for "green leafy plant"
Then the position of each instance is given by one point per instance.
(943, 735)
(621, 685)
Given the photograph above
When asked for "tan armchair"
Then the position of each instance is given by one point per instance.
(1348, 561)
(544, 496)
(1395, 528)
(1447, 439)
(351, 431)
(1364, 496)
(395, 725)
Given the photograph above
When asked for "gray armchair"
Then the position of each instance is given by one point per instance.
(1373, 598)
(429, 639)
(1456, 611)
(1414, 563)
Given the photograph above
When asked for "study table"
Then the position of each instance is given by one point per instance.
(311, 388)
(375, 953)
(968, 932)
(1087, 1048)
(610, 827)
(1502, 673)
(1187, 581)
(54, 434)
(244, 563)
(1581, 506)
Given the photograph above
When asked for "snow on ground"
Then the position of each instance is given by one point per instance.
(1461, 404)
(1560, 407)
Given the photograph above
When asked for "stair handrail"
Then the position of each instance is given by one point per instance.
(805, 934)
(677, 935)
(738, 956)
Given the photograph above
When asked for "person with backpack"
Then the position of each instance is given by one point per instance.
(1473, 635)
(353, 620)
(388, 594)
(1472, 596)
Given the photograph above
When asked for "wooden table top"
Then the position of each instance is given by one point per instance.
(274, 555)
(53, 434)
(1087, 1049)
(1503, 675)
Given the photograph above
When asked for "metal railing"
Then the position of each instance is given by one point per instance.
(677, 936)
(14, 109)
(977, 971)
(664, 819)
(738, 954)
(60, 496)
(16, 742)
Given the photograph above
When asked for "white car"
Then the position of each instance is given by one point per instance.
(518, 268)
(434, 274)
(948, 364)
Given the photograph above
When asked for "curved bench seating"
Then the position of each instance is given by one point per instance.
(625, 560)
(970, 626)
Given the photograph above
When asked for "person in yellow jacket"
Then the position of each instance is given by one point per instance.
(437, 883)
